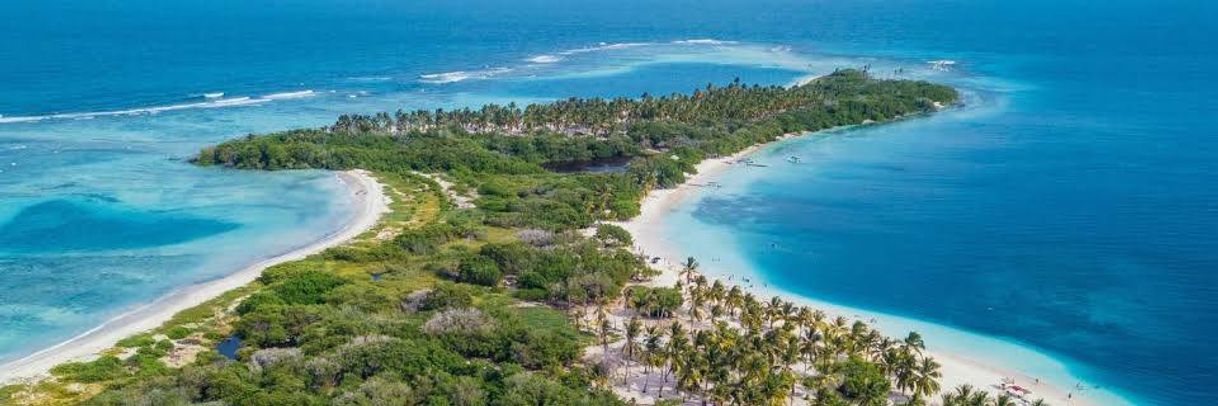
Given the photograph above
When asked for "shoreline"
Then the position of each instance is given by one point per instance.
(648, 229)
(365, 192)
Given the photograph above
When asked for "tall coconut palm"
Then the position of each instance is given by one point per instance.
(926, 382)
(734, 299)
(809, 347)
(717, 291)
(716, 311)
(914, 341)
(774, 310)
(633, 328)
(674, 350)
(690, 376)
(689, 268)
(696, 310)
(652, 349)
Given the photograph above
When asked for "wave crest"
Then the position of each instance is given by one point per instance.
(288, 95)
(460, 76)
(703, 41)
(545, 59)
(211, 104)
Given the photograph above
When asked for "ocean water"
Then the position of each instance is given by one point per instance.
(1067, 210)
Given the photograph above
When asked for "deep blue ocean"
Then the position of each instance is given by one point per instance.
(1069, 207)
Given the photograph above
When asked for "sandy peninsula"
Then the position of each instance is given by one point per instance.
(367, 198)
(957, 368)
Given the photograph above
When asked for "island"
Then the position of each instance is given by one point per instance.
(501, 274)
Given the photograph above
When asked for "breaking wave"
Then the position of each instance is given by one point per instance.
(545, 59)
(459, 76)
(703, 41)
(539, 61)
(213, 102)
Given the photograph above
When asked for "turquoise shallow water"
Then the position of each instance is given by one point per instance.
(1067, 209)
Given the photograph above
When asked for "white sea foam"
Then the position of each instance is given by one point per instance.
(941, 64)
(446, 77)
(236, 101)
(214, 95)
(210, 104)
(545, 59)
(703, 41)
(458, 76)
(605, 47)
(19, 119)
(288, 95)
(538, 61)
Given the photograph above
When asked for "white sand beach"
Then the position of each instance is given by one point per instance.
(370, 203)
(957, 369)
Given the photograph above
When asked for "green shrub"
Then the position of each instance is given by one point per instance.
(106, 368)
(613, 235)
(448, 295)
(178, 332)
(138, 340)
(306, 287)
(479, 270)
(655, 302)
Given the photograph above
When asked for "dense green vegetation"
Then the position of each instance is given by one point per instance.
(500, 150)
(448, 306)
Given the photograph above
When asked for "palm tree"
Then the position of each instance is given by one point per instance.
(652, 353)
(927, 376)
(1003, 399)
(717, 291)
(716, 311)
(677, 343)
(914, 341)
(689, 268)
(803, 317)
(915, 400)
(633, 327)
(809, 346)
(792, 352)
(734, 300)
(966, 395)
(691, 374)
(700, 282)
(900, 364)
(774, 310)
(696, 304)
